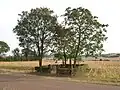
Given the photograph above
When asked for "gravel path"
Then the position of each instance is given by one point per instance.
(31, 82)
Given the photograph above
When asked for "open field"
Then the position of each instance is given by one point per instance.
(24, 66)
(102, 64)
(32, 64)
(107, 71)
(92, 64)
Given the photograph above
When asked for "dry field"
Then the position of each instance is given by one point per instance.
(22, 66)
(92, 64)
(103, 71)
(99, 70)
(103, 64)
(25, 63)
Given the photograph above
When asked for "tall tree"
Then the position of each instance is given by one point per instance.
(88, 32)
(4, 47)
(34, 29)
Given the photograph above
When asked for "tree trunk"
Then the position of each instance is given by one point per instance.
(77, 50)
(26, 56)
(70, 63)
(78, 47)
(70, 67)
(38, 48)
(74, 62)
(41, 55)
(65, 58)
(40, 62)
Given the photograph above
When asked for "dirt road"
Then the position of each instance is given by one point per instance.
(21, 82)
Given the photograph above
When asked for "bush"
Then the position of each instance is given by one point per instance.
(43, 69)
(63, 71)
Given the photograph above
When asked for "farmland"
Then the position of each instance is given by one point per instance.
(24, 66)
(98, 70)
(92, 64)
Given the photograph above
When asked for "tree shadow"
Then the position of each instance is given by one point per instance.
(47, 74)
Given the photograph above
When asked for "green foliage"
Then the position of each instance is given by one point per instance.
(44, 69)
(4, 47)
(63, 43)
(28, 54)
(80, 34)
(88, 32)
(16, 52)
(34, 30)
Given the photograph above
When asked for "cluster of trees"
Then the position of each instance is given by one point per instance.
(17, 53)
(40, 33)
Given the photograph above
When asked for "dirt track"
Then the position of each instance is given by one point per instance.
(21, 82)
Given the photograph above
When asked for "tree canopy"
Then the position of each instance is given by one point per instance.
(81, 33)
(4, 47)
(34, 30)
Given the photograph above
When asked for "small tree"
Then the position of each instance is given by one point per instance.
(3, 47)
(28, 54)
(16, 53)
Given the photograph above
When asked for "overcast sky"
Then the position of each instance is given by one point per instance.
(108, 12)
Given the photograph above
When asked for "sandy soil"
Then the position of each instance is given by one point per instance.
(31, 82)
